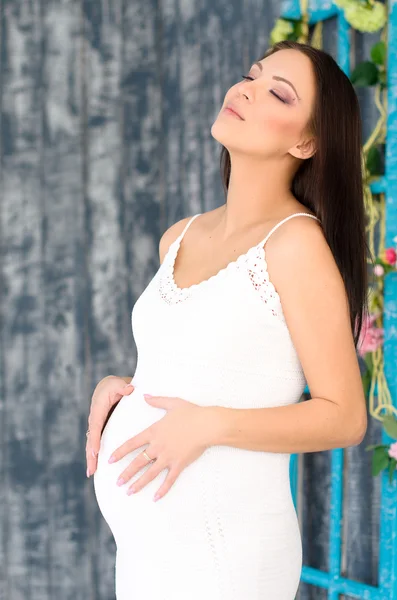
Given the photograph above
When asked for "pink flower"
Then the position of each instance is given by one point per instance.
(390, 256)
(378, 270)
(371, 338)
(393, 450)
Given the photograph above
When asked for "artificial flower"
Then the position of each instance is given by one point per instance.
(364, 17)
(393, 450)
(390, 256)
(378, 270)
(281, 30)
(371, 337)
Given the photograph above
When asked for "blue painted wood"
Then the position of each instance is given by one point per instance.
(388, 524)
(293, 473)
(343, 32)
(332, 580)
(353, 589)
(335, 542)
(319, 10)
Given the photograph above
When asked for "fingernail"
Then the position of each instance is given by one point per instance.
(156, 497)
(112, 459)
(120, 481)
(88, 472)
(148, 395)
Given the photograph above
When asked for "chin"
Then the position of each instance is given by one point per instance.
(226, 134)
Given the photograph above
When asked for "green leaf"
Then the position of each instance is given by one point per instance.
(366, 379)
(390, 426)
(374, 161)
(372, 446)
(368, 361)
(382, 79)
(380, 460)
(378, 53)
(392, 468)
(297, 30)
(366, 73)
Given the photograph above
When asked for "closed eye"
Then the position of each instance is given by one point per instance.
(271, 91)
(282, 100)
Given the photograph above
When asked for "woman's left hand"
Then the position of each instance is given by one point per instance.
(175, 441)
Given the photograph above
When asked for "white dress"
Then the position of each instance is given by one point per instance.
(227, 529)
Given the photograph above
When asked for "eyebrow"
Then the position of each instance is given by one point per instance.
(278, 78)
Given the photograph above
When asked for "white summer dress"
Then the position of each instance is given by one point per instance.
(227, 529)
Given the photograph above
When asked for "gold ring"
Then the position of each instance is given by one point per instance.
(147, 456)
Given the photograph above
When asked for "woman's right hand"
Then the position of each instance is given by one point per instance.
(107, 393)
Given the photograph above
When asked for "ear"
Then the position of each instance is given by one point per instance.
(304, 150)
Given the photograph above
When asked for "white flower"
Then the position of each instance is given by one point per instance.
(366, 18)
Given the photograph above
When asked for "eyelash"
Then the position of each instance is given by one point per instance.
(271, 91)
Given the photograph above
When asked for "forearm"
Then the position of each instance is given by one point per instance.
(309, 426)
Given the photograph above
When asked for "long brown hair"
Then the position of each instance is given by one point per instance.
(330, 183)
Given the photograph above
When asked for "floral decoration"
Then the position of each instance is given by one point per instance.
(367, 16)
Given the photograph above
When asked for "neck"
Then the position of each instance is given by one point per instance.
(258, 192)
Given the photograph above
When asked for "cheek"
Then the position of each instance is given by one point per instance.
(280, 124)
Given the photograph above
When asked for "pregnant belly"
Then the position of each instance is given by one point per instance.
(225, 484)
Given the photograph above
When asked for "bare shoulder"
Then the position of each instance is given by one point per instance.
(170, 235)
(293, 231)
(300, 261)
(315, 304)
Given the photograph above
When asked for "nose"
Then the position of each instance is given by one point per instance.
(245, 92)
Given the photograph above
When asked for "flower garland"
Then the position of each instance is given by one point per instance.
(366, 16)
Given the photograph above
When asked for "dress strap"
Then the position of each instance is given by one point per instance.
(283, 221)
(188, 225)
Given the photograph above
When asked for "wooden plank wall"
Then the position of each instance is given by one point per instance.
(106, 109)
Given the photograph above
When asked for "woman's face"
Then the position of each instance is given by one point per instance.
(274, 113)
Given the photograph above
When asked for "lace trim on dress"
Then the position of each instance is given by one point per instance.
(253, 261)
(257, 271)
(169, 291)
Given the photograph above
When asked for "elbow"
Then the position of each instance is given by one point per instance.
(358, 430)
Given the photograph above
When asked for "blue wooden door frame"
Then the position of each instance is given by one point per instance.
(332, 580)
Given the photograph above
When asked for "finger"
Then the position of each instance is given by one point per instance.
(95, 425)
(133, 468)
(132, 444)
(96, 421)
(89, 459)
(99, 413)
(125, 390)
(147, 476)
(166, 402)
(173, 474)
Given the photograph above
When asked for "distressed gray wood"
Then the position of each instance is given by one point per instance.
(106, 111)
(24, 490)
(65, 370)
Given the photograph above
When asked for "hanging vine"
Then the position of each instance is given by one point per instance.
(366, 16)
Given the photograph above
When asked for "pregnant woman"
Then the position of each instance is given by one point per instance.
(251, 301)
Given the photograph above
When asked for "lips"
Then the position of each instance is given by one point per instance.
(233, 110)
